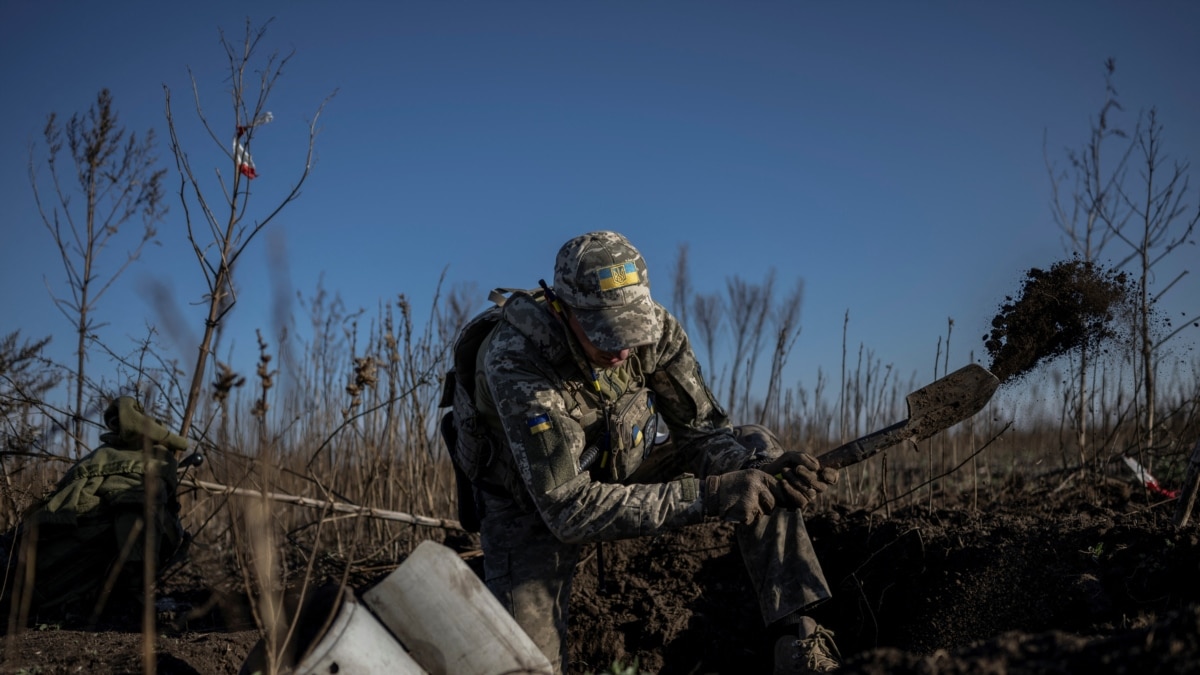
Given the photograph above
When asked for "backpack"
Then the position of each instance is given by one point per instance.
(471, 448)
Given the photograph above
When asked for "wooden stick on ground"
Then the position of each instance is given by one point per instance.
(321, 504)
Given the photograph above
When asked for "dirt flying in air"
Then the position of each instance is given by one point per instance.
(1071, 306)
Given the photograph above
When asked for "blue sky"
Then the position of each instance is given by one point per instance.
(889, 154)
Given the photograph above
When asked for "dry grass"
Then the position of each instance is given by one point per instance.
(360, 429)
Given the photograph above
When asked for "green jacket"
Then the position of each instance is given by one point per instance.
(90, 529)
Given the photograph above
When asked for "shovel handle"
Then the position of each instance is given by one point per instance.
(861, 448)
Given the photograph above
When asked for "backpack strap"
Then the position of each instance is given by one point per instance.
(499, 296)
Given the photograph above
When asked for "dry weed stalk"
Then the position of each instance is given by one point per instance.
(117, 179)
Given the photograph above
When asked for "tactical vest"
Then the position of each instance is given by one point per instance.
(618, 418)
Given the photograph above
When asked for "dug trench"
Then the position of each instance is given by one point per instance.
(1032, 579)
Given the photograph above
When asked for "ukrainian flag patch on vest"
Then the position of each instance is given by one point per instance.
(538, 423)
(618, 276)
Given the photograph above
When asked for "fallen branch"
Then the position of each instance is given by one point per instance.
(340, 507)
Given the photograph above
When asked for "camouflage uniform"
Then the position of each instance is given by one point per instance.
(536, 390)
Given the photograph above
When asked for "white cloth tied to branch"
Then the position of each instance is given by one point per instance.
(241, 156)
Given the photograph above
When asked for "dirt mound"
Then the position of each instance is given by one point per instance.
(1039, 578)
(1039, 582)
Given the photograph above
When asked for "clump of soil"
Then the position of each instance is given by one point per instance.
(1070, 306)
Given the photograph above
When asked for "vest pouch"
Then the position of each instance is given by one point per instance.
(631, 431)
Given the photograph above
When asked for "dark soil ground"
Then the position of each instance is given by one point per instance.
(1084, 579)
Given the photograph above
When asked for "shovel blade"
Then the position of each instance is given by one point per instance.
(932, 408)
(950, 400)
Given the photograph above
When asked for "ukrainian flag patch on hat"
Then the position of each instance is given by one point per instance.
(618, 276)
(538, 423)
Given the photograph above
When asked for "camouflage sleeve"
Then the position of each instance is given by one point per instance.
(697, 423)
(546, 443)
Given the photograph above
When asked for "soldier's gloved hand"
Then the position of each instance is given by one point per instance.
(801, 477)
(740, 496)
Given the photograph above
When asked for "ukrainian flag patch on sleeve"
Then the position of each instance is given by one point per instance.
(618, 276)
(538, 423)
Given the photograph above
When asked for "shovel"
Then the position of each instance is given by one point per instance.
(932, 408)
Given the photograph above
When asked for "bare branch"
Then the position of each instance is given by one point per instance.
(229, 235)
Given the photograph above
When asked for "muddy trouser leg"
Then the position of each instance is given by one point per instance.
(530, 572)
(782, 565)
(777, 550)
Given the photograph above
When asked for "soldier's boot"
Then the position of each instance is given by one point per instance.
(811, 651)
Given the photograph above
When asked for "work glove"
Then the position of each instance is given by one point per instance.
(801, 477)
(740, 496)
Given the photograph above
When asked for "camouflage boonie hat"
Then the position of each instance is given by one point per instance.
(603, 279)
